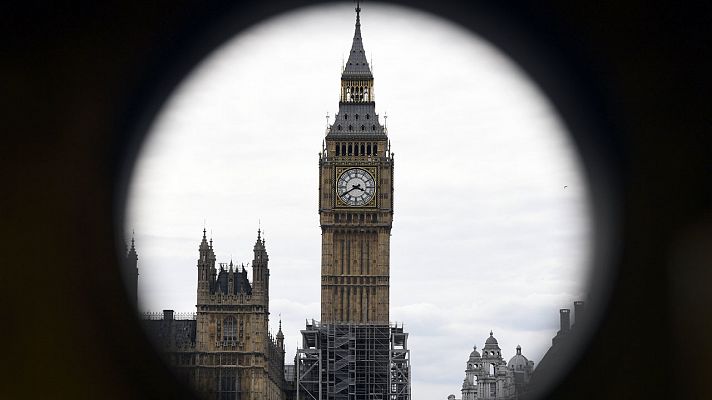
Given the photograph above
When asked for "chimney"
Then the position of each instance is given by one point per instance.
(578, 312)
(565, 317)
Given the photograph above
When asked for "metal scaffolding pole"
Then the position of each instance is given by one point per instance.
(353, 362)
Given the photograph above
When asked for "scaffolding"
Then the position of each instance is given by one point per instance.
(353, 362)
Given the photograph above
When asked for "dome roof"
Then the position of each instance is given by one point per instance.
(475, 353)
(518, 361)
(491, 339)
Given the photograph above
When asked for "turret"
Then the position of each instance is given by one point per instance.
(206, 268)
(132, 269)
(280, 338)
(357, 113)
(260, 270)
(356, 78)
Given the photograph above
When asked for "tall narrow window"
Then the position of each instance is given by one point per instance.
(227, 389)
(229, 329)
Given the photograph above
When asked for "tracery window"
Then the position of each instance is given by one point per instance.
(229, 328)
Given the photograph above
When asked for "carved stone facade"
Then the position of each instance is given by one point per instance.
(356, 202)
(225, 350)
(488, 376)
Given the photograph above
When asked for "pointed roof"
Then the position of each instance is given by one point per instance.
(280, 335)
(204, 243)
(132, 250)
(357, 65)
(260, 243)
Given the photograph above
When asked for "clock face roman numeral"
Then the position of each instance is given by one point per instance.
(355, 187)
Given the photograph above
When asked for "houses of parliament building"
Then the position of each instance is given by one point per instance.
(224, 350)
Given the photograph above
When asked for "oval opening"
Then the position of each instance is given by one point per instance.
(492, 228)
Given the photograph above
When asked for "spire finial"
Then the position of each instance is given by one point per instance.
(358, 13)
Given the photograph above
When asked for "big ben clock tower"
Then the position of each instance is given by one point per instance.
(354, 352)
(355, 201)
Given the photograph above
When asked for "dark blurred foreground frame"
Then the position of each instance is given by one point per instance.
(80, 85)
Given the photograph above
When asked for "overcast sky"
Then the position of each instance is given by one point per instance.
(485, 234)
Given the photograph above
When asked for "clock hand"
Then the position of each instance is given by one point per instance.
(346, 192)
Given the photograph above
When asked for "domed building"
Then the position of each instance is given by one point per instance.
(488, 376)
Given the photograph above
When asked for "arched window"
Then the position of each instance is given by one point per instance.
(229, 328)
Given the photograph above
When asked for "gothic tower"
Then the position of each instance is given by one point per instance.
(260, 272)
(131, 266)
(355, 201)
(354, 353)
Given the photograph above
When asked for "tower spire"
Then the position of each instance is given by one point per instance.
(358, 13)
(357, 65)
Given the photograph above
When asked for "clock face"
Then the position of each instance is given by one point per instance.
(356, 187)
